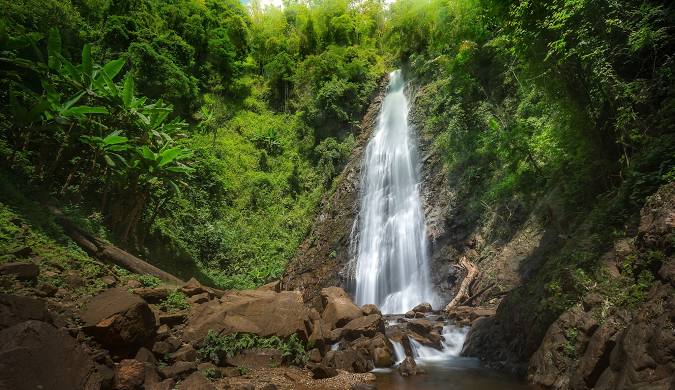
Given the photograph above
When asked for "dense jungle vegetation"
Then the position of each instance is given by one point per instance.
(201, 134)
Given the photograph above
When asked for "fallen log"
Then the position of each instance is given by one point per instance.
(107, 252)
(463, 292)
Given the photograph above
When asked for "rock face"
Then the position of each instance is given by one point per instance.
(119, 319)
(322, 258)
(260, 312)
(21, 270)
(36, 355)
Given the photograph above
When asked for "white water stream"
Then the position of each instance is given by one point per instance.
(392, 268)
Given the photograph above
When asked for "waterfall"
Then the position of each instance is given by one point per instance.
(453, 340)
(392, 268)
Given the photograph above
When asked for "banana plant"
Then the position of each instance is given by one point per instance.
(109, 147)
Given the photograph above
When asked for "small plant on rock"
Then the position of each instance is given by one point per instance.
(175, 301)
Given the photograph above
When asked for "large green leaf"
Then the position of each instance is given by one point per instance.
(114, 139)
(84, 110)
(113, 67)
(147, 154)
(128, 91)
(73, 100)
(54, 48)
(87, 64)
(169, 155)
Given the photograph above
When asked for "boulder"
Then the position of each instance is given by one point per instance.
(193, 287)
(315, 355)
(256, 358)
(349, 360)
(36, 355)
(196, 381)
(367, 326)
(178, 370)
(144, 355)
(129, 375)
(73, 279)
(186, 353)
(21, 270)
(259, 312)
(153, 295)
(421, 326)
(408, 367)
(167, 384)
(422, 308)
(382, 357)
(369, 309)
(172, 319)
(15, 309)
(321, 371)
(199, 298)
(338, 308)
(465, 315)
(117, 319)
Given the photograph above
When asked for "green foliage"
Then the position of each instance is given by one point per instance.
(175, 301)
(217, 348)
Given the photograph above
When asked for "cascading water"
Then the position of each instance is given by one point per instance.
(392, 267)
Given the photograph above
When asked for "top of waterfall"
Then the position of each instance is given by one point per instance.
(396, 81)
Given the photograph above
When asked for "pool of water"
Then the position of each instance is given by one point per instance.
(453, 373)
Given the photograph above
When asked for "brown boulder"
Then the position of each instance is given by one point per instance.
(408, 367)
(421, 326)
(196, 381)
(321, 371)
(199, 298)
(117, 318)
(186, 353)
(349, 360)
(256, 358)
(129, 375)
(259, 312)
(153, 295)
(465, 315)
(193, 287)
(382, 357)
(15, 309)
(422, 308)
(369, 309)
(179, 370)
(367, 326)
(21, 270)
(338, 308)
(36, 355)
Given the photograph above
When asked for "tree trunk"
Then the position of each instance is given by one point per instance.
(107, 252)
(463, 292)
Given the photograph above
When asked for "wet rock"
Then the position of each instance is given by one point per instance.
(117, 318)
(15, 309)
(36, 355)
(370, 309)
(178, 370)
(259, 312)
(382, 357)
(367, 326)
(321, 371)
(422, 308)
(421, 326)
(21, 270)
(465, 315)
(408, 367)
(410, 314)
(196, 381)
